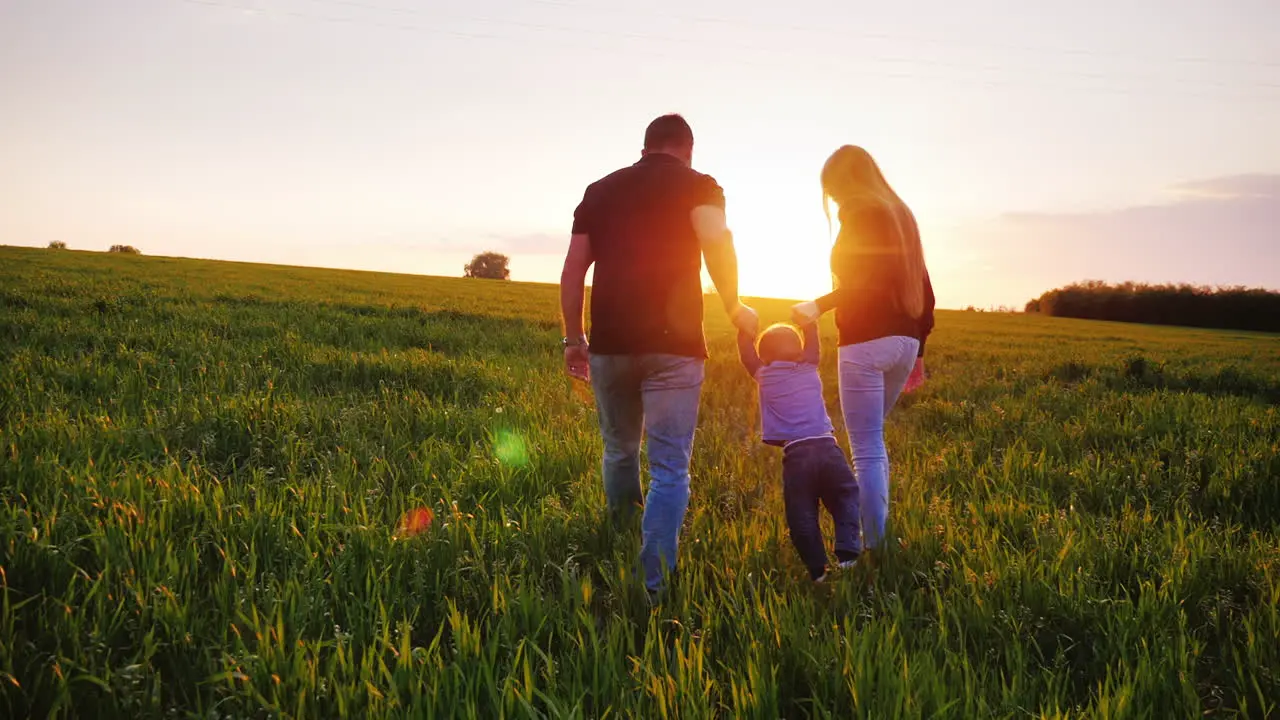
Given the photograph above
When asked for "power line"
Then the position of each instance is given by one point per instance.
(1200, 60)
(845, 69)
(343, 20)
(933, 41)
(756, 48)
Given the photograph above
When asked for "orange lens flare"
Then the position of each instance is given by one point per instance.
(415, 522)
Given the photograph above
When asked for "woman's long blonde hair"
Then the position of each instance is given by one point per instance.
(852, 179)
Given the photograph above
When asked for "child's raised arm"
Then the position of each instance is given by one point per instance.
(811, 344)
(747, 353)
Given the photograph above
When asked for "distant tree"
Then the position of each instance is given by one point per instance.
(125, 249)
(488, 265)
(57, 245)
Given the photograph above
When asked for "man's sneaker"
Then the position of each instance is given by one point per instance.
(821, 579)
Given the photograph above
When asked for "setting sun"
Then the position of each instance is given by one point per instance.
(780, 231)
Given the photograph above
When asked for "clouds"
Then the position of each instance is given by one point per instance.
(529, 243)
(1233, 187)
(1216, 231)
(474, 242)
(458, 242)
(1211, 231)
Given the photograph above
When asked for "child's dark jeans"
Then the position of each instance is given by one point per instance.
(816, 471)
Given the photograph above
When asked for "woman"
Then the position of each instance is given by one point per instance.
(884, 312)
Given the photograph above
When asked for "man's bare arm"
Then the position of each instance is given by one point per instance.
(718, 251)
(573, 280)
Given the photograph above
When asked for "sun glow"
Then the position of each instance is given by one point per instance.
(781, 236)
(777, 258)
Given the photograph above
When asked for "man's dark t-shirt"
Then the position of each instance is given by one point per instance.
(646, 291)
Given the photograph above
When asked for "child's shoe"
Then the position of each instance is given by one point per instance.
(847, 562)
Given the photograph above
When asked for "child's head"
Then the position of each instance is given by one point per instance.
(780, 342)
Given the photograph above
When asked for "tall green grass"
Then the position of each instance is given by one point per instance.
(202, 468)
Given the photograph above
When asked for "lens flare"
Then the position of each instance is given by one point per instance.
(510, 448)
(415, 522)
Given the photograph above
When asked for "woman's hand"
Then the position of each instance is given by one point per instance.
(916, 378)
(805, 313)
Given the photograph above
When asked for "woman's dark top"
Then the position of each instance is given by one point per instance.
(868, 278)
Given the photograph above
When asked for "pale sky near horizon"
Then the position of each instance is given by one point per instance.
(1038, 143)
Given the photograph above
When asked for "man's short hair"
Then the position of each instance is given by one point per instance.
(668, 131)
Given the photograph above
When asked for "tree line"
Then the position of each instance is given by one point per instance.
(124, 249)
(1232, 308)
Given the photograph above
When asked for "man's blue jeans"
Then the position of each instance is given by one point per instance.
(654, 396)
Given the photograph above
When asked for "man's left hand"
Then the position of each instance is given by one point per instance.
(745, 319)
(577, 362)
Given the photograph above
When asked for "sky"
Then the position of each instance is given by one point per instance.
(1038, 143)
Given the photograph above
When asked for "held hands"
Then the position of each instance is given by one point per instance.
(745, 319)
(805, 313)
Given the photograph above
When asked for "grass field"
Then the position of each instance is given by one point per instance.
(202, 468)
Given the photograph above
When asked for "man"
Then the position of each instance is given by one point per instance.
(647, 228)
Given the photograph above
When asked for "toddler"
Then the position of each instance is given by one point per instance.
(793, 416)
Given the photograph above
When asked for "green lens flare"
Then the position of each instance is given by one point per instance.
(510, 448)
